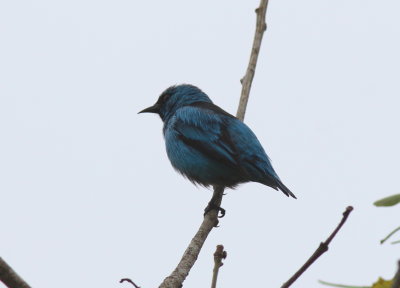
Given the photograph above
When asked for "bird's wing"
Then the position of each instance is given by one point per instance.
(249, 150)
(252, 157)
(221, 136)
(203, 127)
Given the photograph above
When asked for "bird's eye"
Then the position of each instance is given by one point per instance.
(164, 97)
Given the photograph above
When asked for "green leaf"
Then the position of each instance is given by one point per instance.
(341, 286)
(388, 201)
(381, 283)
(390, 235)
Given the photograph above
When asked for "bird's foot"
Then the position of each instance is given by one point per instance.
(212, 206)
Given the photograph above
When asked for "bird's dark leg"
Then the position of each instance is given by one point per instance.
(215, 202)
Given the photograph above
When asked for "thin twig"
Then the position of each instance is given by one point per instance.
(210, 220)
(219, 254)
(390, 234)
(323, 247)
(9, 277)
(128, 280)
(396, 279)
(247, 80)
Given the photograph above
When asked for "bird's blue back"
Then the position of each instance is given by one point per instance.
(210, 146)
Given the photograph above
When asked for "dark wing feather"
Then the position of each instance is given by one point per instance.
(202, 126)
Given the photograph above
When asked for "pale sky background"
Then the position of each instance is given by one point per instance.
(88, 195)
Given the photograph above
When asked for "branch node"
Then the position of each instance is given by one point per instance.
(248, 78)
(219, 255)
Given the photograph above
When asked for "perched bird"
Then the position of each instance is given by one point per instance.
(208, 145)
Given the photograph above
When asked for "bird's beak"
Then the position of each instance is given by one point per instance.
(152, 109)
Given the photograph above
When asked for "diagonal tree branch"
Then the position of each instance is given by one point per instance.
(323, 247)
(9, 277)
(188, 259)
(247, 80)
(210, 220)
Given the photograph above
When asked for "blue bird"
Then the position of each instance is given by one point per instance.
(208, 145)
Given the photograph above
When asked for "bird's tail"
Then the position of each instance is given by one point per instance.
(284, 189)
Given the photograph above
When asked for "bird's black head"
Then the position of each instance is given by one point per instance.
(174, 98)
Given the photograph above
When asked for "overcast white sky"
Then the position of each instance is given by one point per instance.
(88, 195)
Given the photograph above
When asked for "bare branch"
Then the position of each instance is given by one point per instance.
(188, 259)
(129, 281)
(323, 247)
(247, 80)
(9, 277)
(219, 254)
